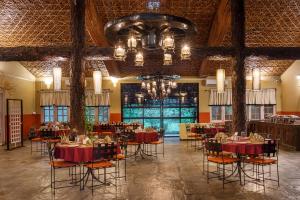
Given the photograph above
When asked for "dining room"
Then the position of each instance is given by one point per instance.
(150, 99)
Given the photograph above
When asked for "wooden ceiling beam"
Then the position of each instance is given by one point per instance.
(95, 28)
(22, 53)
(220, 27)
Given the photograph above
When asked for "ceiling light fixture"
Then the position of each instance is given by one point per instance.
(57, 75)
(158, 86)
(220, 80)
(256, 79)
(153, 31)
(97, 78)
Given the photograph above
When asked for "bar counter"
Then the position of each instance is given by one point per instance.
(289, 134)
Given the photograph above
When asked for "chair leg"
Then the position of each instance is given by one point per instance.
(223, 178)
(277, 173)
(263, 177)
(207, 171)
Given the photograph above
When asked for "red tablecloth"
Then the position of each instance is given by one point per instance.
(75, 154)
(146, 137)
(243, 148)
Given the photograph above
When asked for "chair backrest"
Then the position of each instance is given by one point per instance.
(104, 151)
(213, 147)
(123, 142)
(270, 147)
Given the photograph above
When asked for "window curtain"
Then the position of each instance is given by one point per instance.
(261, 97)
(92, 99)
(48, 98)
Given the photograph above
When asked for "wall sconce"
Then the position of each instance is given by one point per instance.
(57, 74)
(48, 81)
(298, 80)
(97, 78)
(114, 81)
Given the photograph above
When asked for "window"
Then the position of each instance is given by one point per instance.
(62, 114)
(268, 111)
(90, 114)
(255, 112)
(103, 114)
(228, 112)
(48, 114)
(216, 113)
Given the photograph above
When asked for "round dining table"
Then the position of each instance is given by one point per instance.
(75, 153)
(243, 147)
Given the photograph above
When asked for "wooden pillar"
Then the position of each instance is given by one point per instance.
(238, 71)
(77, 90)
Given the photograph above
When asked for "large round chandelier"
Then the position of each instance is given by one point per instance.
(158, 86)
(150, 31)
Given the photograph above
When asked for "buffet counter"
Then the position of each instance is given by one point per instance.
(289, 134)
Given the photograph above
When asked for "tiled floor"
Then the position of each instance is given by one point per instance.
(176, 176)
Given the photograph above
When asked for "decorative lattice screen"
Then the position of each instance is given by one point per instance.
(14, 123)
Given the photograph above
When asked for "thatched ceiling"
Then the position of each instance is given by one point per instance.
(47, 22)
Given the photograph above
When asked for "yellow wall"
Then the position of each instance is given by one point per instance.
(18, 83)
(291, 88)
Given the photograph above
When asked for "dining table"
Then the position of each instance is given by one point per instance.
(242, 148)
(77, 153)
(142, 139)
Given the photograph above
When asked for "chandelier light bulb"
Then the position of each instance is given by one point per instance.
(148, 86)
(174, 85)
(132, 43)
(154, 83)
(168, 42)
(120, 53)
(167, 59)
(139, 59)
(143, 85)
(185, 52)
(169, 90)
